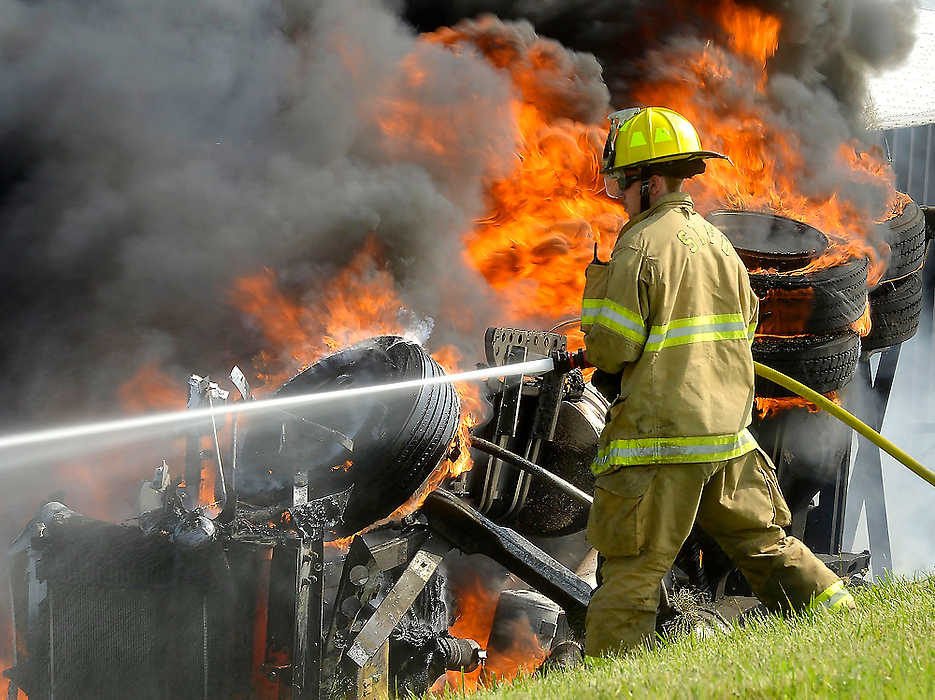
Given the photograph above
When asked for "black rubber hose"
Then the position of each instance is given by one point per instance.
(531, 468)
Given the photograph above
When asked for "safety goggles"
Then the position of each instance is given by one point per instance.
(615, 185)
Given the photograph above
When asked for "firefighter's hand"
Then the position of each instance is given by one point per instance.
(564, 361)
(607, 384)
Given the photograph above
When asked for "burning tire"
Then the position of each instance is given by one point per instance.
(768, 241)
(906, 235)
(823, 363)
(822, 301)
(894, 312)
(397, 438)
(793, 302)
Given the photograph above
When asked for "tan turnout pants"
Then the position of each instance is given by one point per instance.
(642, 515)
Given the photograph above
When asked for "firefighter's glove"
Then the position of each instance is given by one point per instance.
(564, 361)
(607, 384)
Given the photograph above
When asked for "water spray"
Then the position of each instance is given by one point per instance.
(172, 418)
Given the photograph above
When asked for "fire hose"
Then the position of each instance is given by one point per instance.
(844, 416)
(565, 361)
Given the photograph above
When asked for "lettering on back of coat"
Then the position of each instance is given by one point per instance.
(711, 236)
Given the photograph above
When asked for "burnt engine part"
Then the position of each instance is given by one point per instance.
(553, 421)
(255, 611)
(531, 468)
(768, 241)
(895, 309)
(905, 234)
(460, 654)
(522, 610)
(569, 454)
(397, 439)
(102, 608)
(822, 362)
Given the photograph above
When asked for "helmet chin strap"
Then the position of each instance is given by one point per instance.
(644, 192)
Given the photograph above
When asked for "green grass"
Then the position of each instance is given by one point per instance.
(886, 648)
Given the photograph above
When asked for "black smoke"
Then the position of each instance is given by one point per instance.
(827, 45)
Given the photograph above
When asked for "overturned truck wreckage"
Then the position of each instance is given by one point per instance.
(234, 581)
(228, 583)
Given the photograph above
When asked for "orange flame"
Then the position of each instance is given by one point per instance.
(751, 33)
(770, 408)
(476, 604)
(345, 467)
(5, 664)
(863, 324)
(545, 219)
(785, 311)
(152, 389)
(545, 216)
(768, 166)
(898, 205)
(358, 303)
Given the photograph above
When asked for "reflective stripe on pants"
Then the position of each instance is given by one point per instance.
(834, 597)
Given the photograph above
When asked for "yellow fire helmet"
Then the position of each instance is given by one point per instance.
(642, 137)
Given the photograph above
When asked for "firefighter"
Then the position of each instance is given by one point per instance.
(669, 320)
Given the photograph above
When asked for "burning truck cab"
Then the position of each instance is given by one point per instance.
(385, 544)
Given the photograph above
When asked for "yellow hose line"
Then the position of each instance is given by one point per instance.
(848, 418)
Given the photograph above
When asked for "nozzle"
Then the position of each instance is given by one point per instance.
(564, 361)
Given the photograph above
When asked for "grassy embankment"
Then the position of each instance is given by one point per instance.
(886, 648)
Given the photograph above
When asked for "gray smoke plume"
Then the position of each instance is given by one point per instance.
(153, 154)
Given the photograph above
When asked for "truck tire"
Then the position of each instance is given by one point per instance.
(905, 234)
(821, 362)
(820, 302)
(399, 438)
(894, 312)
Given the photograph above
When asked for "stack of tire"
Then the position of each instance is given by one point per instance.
(896, 302)
(807, 315)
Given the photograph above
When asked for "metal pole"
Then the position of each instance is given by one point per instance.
(867, 480)
(927, 166)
